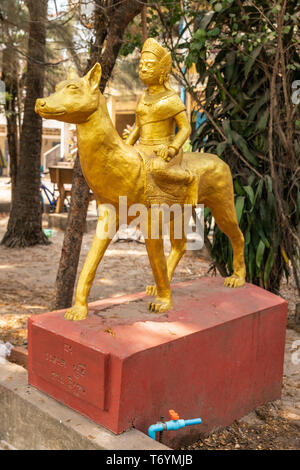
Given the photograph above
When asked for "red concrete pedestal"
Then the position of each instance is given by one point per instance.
(217, 355)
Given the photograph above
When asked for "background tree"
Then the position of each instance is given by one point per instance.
(14, 31)
(109, 21)
(247, 58)
(13, 16)
(24, 226)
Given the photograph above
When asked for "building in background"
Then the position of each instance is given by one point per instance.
(122, 93)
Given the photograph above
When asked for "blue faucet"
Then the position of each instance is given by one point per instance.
(173, 425)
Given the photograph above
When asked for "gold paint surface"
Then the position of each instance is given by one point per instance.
(148, 168)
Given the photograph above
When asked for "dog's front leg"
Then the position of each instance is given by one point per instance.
(106, 228)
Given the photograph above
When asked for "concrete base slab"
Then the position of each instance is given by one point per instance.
(59, 222)
(216, 356)
(31, 420)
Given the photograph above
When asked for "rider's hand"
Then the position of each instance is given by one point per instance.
(166, 153)
(171, 153)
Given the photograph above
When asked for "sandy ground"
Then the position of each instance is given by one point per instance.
(27, 279)
(28, 276)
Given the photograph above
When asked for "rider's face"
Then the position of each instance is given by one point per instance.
(149, 71)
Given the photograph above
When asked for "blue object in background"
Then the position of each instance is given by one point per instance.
(200, 118)
(182, 91)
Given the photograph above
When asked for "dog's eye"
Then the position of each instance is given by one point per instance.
(72, 87)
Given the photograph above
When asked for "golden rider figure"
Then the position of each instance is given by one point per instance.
(159, 112)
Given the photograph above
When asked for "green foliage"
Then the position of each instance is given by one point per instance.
(131, 41)
(233, 46)
(255, 209)
(238, 78)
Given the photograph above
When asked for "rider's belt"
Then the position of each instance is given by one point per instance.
(162, 140)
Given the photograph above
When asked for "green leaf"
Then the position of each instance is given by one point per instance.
(251, 179)
(196, 46)
(269, 183)
(260, 232)
(199, 34)
(218, 7)
(256, 86)
(260, 254)
(271, 206)
(268, 266)
(251, 261)
(247, 237)
(242, 145)
(250, 218)
(263, 120)
(254, 54)
(201, 128)
(213, 32)
(264, 215)
(238, 188)
(220, 148)
(206, 212)
(286, 29)
(259, 190)
(276, 9)
(250, 193)
(256, 107)
(230, 63)
(227, 130)
(239, 206)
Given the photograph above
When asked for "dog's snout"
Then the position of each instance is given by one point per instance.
(39, 104)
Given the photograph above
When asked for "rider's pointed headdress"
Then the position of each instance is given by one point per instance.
(163, 55)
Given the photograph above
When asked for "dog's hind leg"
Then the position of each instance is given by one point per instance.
(223, 210)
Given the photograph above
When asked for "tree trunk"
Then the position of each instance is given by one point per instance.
(66, 274)
(25, 222)
(119, 18)
(10, 78)
(144, 23)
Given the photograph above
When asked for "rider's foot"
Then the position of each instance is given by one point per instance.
(151, 290)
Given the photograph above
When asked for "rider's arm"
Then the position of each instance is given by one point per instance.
(184, 130)
(133, 136)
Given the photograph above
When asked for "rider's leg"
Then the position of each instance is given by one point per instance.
(178, 248)
(171, 173)
(155, 248)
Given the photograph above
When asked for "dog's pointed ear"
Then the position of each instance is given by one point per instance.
(93, 77)
(72, 75)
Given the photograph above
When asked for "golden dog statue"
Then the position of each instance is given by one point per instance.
(153, 171)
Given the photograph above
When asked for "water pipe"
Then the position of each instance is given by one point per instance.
(173, 425)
